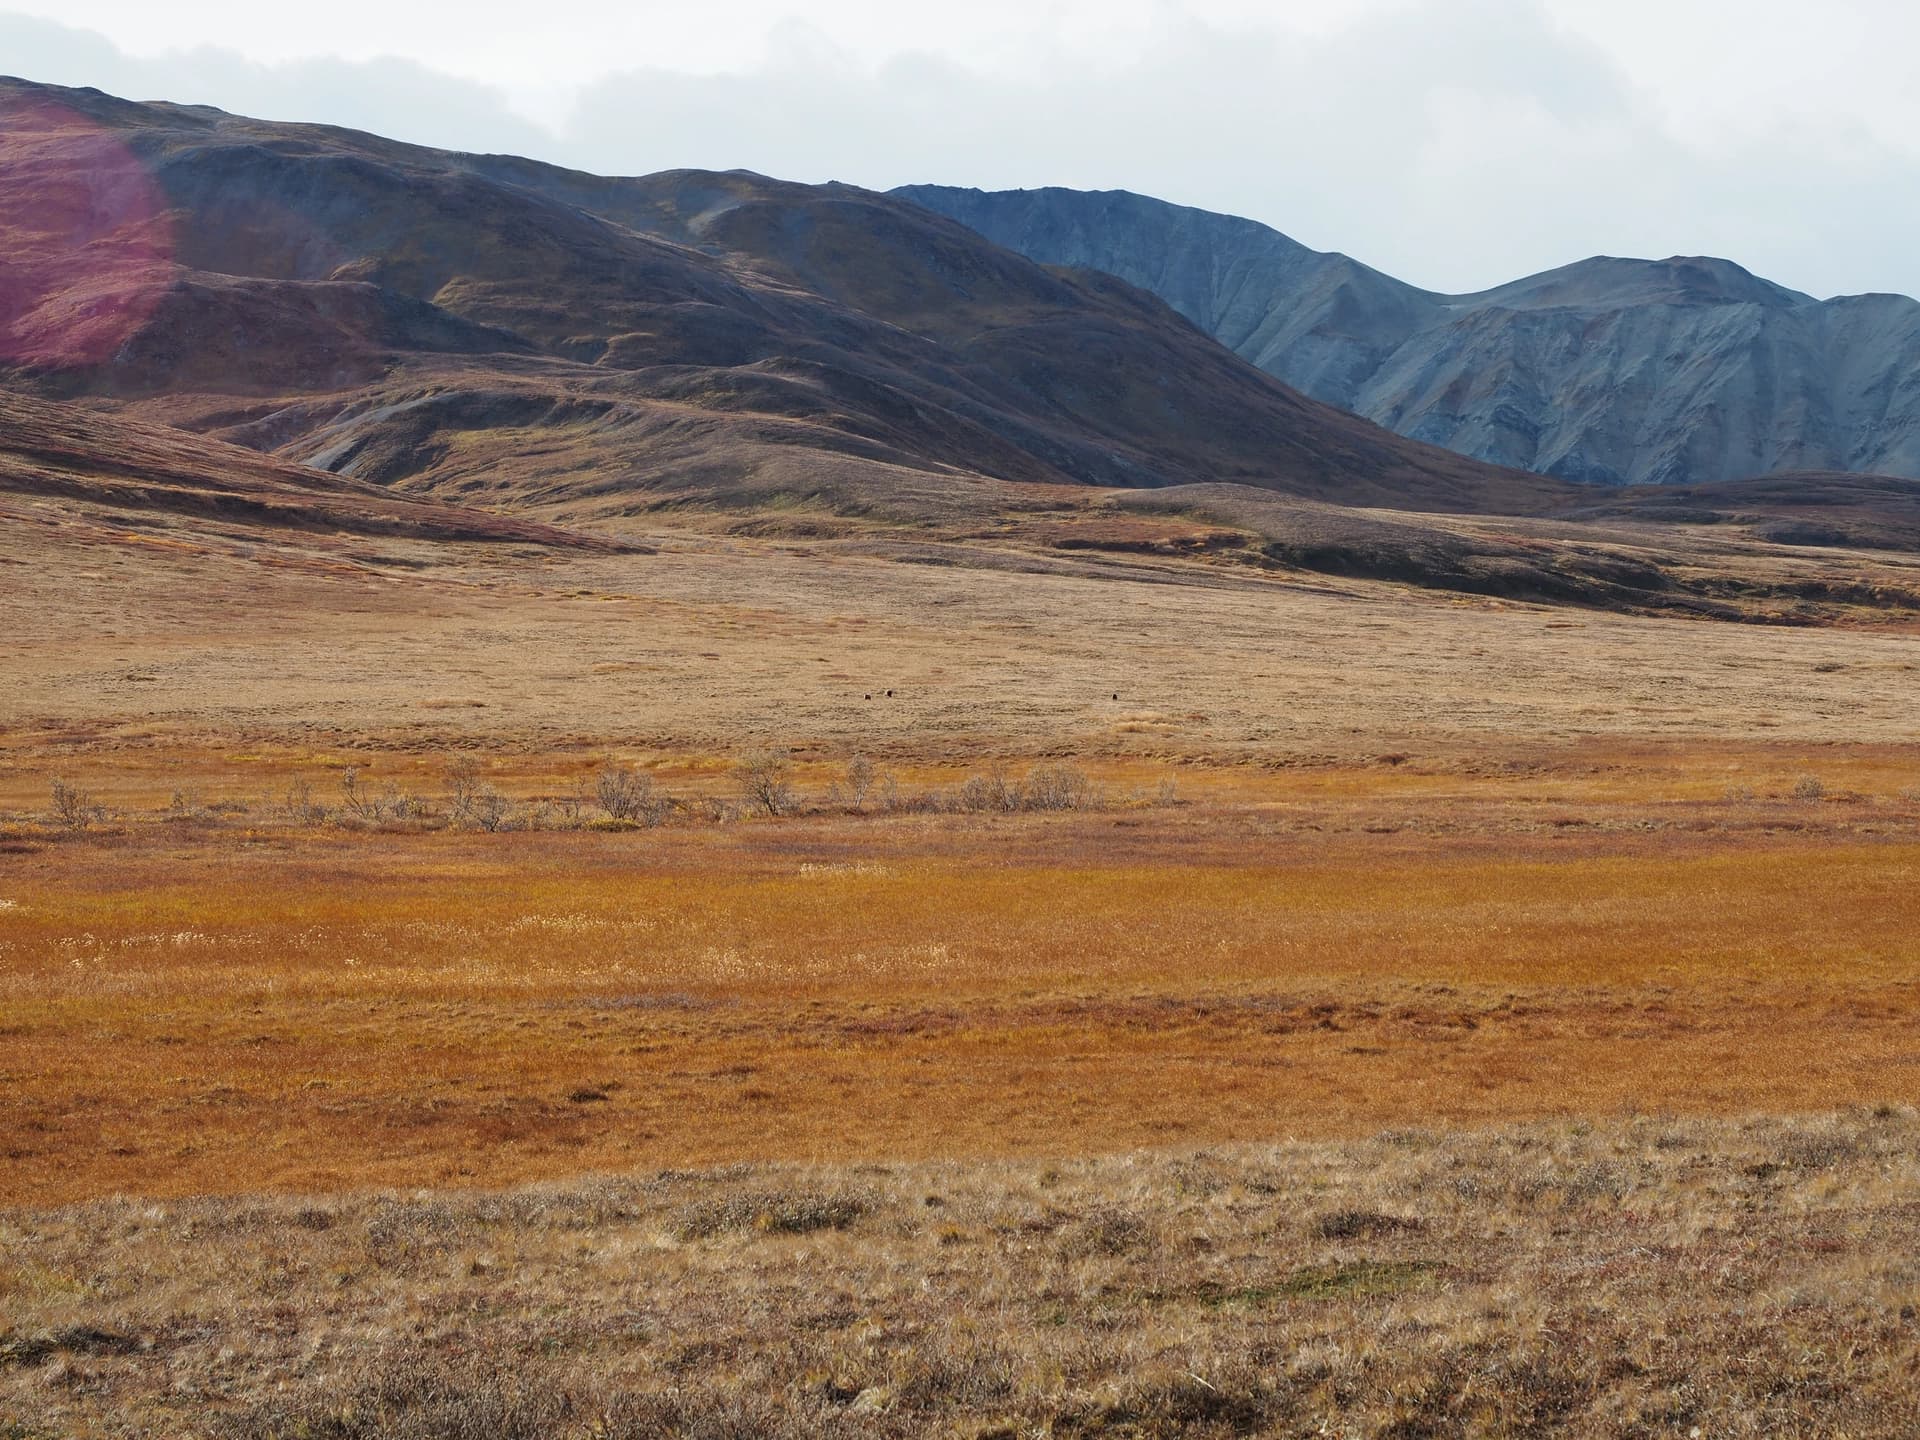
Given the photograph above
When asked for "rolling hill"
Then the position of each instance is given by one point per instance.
(514, 335)
(135, 472)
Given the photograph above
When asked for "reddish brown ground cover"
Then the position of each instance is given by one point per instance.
(242, 1005)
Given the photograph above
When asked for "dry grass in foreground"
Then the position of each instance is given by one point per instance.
(1652, 1277)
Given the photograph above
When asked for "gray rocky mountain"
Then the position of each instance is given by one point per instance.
(1608, 371)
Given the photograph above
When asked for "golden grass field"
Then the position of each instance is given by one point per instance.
(1561, 894)
(239, 1009)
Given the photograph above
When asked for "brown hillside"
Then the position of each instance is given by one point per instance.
(520, 335)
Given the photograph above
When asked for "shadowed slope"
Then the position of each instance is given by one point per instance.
(1863, 512)
(1639, 553)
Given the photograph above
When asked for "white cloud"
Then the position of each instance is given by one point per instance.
(400, 98)
(1456, 143)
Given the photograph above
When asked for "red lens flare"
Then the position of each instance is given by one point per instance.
(86, 249)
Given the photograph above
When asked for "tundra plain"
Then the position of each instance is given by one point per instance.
(1440, 1014)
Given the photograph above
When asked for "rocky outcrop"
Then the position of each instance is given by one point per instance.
(1609, 371)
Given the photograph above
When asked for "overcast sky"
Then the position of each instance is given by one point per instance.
(1454, 143)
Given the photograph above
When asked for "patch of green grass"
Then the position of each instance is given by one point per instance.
(1358, 1280)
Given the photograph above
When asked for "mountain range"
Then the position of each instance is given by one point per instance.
(208, 320)
(495, 331)
(1609, 371)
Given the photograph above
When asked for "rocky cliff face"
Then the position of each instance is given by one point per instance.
(1606, 372)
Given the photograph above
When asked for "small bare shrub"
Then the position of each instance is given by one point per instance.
(1809, 788)
(398, 805)
(896, 799)
(1048, 787)
(1058, 787)
(390, 805)
(353, 799)
(765, 779)
(991, 793)
(73, 808)
(490, 809)
(570, 810)
(616, 790)
(630, 795)
(463, 787)
(300, 806)
(859, 780)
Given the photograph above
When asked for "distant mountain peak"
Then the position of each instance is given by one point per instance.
(1610, 370)
(1613, 282)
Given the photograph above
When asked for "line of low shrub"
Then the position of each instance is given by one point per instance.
(621, 799)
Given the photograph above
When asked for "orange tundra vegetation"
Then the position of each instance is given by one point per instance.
(194, 1009)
